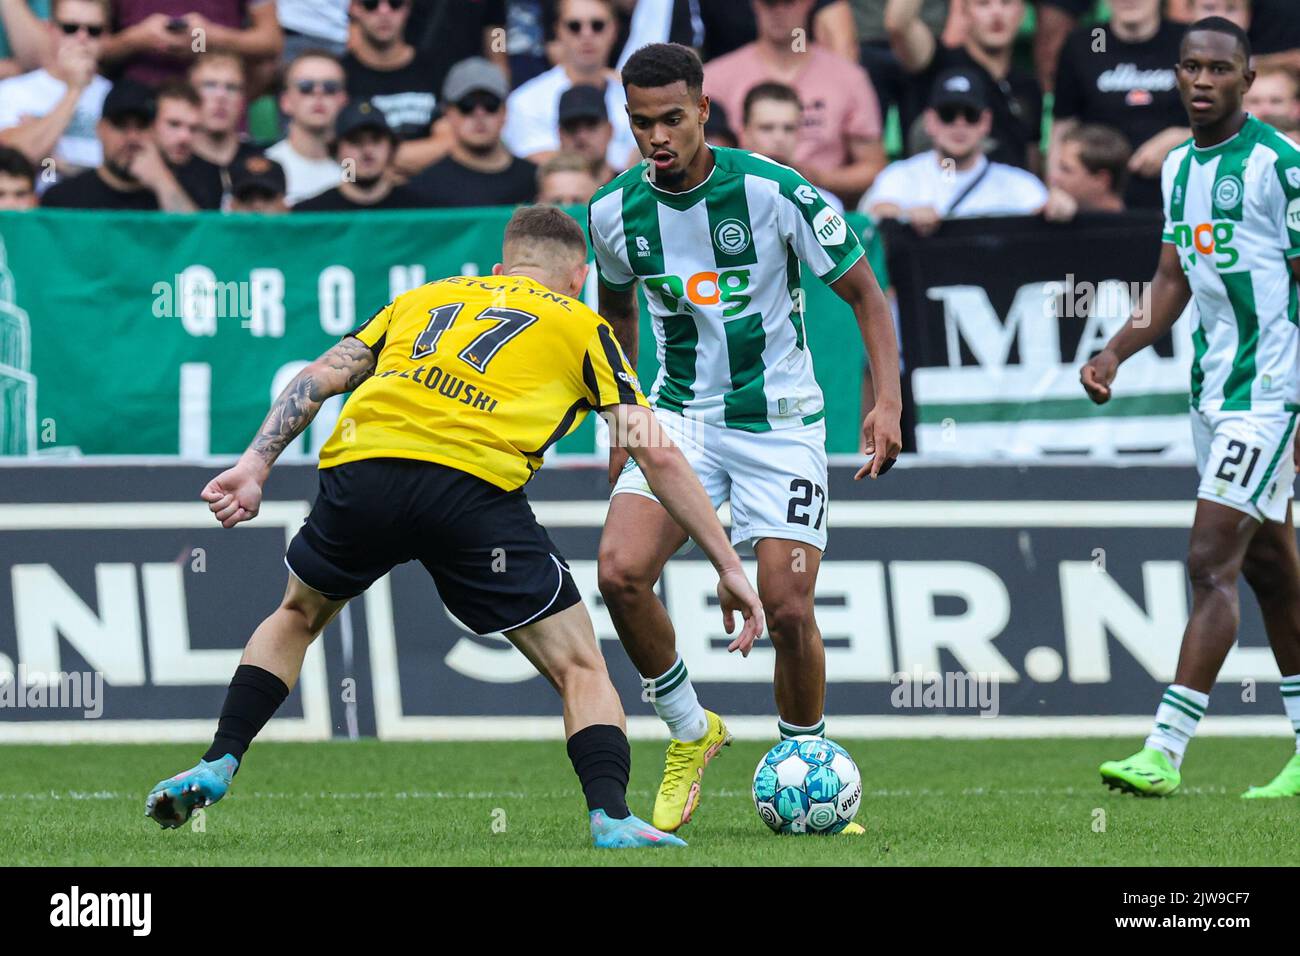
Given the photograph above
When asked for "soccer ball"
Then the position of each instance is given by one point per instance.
(807, 785)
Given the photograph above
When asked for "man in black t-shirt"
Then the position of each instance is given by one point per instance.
(134, 174)
(1123, 75)
(175, 129)
(478, 170)
(386, 70)
(363, 146)
(1016, 101)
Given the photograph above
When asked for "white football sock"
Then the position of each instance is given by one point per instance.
(1177, 717)
(675, 702)
(1291, 701)
(789, 730)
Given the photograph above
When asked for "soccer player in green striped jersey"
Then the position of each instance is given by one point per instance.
(717, 239)
(1231, 248)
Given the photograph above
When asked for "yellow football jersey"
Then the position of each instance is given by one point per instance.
(482, 374)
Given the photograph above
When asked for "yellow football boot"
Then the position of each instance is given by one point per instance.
(679, 792)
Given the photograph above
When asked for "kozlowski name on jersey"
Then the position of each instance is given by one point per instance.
(480, 374)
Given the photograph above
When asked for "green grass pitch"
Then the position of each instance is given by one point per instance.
(954, 802)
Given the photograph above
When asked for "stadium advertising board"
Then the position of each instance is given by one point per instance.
(998, 316)
(199, 321)
(984, 601)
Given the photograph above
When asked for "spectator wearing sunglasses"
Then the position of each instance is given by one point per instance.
(219, 80)
(478, 169)
(23, 37)
(364, 146)
(155, 40)
(991, 30)
(384, 69)
(839, 143)
(954, 179)
(313, 96)
(585, 37)
(52, 111)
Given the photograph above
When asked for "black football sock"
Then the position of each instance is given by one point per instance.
(602, 760)
(253, 698)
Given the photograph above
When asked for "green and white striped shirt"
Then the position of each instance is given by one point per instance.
(1233, 211)
(720, 264)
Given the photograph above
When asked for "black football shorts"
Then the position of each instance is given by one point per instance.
(495, 567)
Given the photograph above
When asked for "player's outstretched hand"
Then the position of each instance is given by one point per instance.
(882, 440)
(1097, 374)
(617, 459)
(235, 495)
(736, 594)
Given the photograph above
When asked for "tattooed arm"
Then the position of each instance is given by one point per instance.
(236, 494)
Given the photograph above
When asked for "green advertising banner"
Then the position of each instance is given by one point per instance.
(151, 334)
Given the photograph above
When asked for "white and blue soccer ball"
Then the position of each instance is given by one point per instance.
(807, 785)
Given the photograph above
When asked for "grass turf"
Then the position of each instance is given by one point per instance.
(953, 802)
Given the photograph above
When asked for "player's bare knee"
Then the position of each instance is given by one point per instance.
(620, 581)
(580, 669)
(1208, 571)
(791, 622)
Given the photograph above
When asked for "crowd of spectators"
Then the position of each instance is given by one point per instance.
(917, 110)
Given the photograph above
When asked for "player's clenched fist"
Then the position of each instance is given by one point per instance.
(1097, 374)
(235, 495)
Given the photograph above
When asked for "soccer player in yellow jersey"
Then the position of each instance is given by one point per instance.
(458, 389)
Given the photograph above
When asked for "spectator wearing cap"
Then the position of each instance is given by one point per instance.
(218, 78)
(364, 145)
(839, 145)
(717, 128)
(585, 36)
(1122, 74)
(1090, 173)
(314, 94)
(157, 40)
(1274, 97)
(17, 181)
(382, 67)
(257, 185)
(478, 169)
(772, 116)
(585, 129)
(134, 174)
(1016, 99)
(23, 37)
(52, 111)
(954, 179)
(566, 180)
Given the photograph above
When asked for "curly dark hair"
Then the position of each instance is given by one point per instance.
(662, 64)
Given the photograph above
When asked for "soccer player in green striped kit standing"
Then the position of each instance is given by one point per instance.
(716, 237)
(1232, 248)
